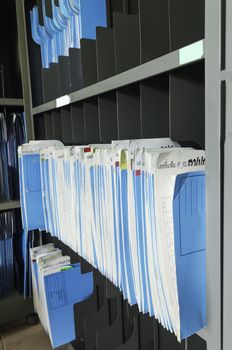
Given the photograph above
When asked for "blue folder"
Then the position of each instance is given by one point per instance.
(71, 21)
(92, 15)
(190, 250)
(32, 192)
(63, 290)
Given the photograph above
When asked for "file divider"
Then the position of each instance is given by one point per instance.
(94, 323)
(128, 110)
(167, 340)
(187, 105)
(147, 329)
(49, 126)
(66, 125)
(75, 69)
(196, 342)
(107, 105)
(131, 7)
(105, 53)
(111, 290)
(91, 120)
(133, 342)
(112, 336)
(129, 313)
(112, 7)
(126, 41)
(46, 83)
(57, 128)
(186, 22)
(154, 29)
(65, 76)
(89, 61)
(40, 12)
(82, 310)
(56, 81)
(48, 8)
(154, 99)
(39, 124)
(77, 115)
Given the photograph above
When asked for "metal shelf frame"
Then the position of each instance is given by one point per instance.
(150, 69)
(6, 205)
(17, 102)
(15, 307)
(218, 126)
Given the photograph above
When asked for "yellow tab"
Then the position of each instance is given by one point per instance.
(123, 160)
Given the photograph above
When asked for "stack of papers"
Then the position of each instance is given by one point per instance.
(71, 21)
(7, 230)
(133, 209)
(57, 286)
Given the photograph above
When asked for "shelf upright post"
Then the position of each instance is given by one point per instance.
(214, 172)
(227, 275)
(24, 63)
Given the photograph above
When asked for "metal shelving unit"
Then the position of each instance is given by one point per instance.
(218, 131)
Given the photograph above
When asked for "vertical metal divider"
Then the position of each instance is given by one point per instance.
(24, 63)
(213, 173)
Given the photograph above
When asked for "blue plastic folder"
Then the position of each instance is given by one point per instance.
(71, 21)
(31, 192)
(92, 15)
(190, 249)
(63, 290)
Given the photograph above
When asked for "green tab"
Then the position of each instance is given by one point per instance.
(65, 268)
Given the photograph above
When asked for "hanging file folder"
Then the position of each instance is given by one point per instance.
(190, 250)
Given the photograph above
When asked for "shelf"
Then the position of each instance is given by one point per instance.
(11, 102)
(14, 307)
(9, 205)
(176, 59)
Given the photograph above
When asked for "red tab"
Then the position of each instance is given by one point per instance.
(87, 149)
(117, 164)
(138, 172)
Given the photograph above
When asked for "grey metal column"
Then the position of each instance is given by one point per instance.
(213, 172)
(25, 72)
(227, 281)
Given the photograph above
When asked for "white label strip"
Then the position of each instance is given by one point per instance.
(62, 101)
(191, 52)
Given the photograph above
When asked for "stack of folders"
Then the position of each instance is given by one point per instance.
(7, 230)
(135, 210)
(12, 135)
(71, 21)
(57, 286)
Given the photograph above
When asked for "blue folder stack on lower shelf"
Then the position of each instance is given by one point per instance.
(133, 209)
(57, 286)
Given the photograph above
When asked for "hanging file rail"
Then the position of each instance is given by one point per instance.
(133, 209)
